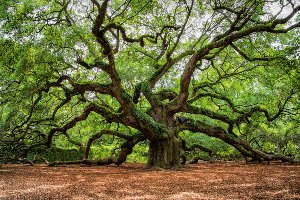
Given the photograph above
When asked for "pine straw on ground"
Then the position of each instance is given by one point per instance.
(218, 180)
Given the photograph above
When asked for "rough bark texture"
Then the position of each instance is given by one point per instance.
(164, 153)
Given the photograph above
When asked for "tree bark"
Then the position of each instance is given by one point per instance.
(164, 154)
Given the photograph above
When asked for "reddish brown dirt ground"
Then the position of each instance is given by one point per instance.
(219, 180)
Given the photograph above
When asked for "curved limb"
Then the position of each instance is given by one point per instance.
(99, 135)
(126, 149)
(91, 108)
(242, 146)
(195, 147)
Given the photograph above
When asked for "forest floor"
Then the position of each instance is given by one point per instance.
(218, 180)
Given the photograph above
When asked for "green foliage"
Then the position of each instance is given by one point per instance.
(277, 137)
(52, 66)
(57, 154)
(221, 150)
(139, 153)
(102, 151)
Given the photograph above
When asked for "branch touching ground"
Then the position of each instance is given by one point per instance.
(242, 146)
(104, 161)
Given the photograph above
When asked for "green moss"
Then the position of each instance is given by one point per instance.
(157, 72)
(157, 127)
(125, 95)
(145, 87)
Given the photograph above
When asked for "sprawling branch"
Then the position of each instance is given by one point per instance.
(208, 113)
(214, 95)
(100, 17)
(226, 41)
(281, 107)
(72, 141)
(243, 115)
(99, 64)
(179, 35)
(126, 149)
(128, 39)
(99, 135)
(144, 87)
(28, 118)
(239, 22)
(249, 58)
(104, 161)
(79, 88)
(194, 147)
(107, 114)
(239, 144)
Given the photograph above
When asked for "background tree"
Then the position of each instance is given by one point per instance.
(154, 71)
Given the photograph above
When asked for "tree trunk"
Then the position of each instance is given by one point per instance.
(164, 154)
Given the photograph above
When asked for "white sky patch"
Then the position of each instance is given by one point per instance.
(90, 95)
(280, 10)
(168, 5)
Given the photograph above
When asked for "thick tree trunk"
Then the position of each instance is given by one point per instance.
(164, 153)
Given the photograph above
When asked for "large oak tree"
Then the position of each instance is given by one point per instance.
(148, 70)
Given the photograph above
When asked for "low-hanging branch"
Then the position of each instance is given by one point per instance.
(99, 135)
(194, 147)
(243, 114)
(72, 141)
(104, 161)
(109, 115)
(126, 149)
(241, 145)
(281, 107)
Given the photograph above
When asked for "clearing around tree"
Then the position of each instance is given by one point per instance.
(205, 180)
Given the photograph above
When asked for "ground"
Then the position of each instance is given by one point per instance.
(218, 180)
